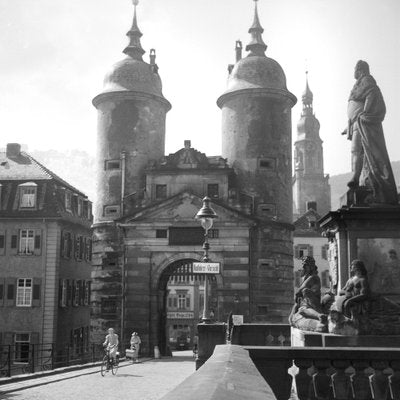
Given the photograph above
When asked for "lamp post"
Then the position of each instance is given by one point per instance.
(206, 216)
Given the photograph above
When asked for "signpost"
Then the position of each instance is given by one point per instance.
(206, 268)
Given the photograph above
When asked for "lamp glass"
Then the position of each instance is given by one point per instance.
(206, 223)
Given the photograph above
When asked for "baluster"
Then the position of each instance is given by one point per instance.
(321, 380)
(360, 381)
(281, 339)
(394, 380)
(341, 384)
(303, 380)
(379, 382)
(269, 339)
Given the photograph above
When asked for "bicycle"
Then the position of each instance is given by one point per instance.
(108, 363)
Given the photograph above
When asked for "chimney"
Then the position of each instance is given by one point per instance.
(311, 205)
(187, 144)
(13, 150)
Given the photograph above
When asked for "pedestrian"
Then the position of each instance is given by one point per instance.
(135, 346)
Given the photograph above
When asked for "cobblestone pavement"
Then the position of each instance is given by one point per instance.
(149, 380)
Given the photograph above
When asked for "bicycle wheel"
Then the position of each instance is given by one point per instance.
(104, 365)
(114, 366)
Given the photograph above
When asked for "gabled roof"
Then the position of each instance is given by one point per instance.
(23, 167)
(302, 224)
(183, 207)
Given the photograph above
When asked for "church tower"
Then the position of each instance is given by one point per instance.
(310, 185)
(256, 140)
(131, 133)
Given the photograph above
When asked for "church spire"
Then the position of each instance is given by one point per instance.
(134, 48)
(256, 46)
(307, 98)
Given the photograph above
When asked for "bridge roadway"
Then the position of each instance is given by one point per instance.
(148, 380)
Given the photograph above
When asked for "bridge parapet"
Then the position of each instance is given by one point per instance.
(330, 373)
(229, 374)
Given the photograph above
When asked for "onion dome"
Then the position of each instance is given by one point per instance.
(256, 70)
(132, 74)
(308, 123)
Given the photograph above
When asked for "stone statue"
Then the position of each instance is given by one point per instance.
(308, 312)
(370, 161)
(359, 311)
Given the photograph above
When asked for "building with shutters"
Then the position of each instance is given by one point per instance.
(308, 241)
(45, 253)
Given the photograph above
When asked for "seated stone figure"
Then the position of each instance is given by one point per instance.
(308, 312)
(358, 311)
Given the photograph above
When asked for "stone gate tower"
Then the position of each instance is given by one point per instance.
(131, 133)
(310, 185)
(256, 140)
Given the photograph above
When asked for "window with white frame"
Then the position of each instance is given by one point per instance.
(26, 241)
(183, 301)
(27, 196)
(22, 341)
(24, 292)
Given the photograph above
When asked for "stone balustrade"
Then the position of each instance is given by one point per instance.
(329, 373)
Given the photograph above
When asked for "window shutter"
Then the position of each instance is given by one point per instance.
(90, 250)
(8, 338)
(35, 337)
(2, 242)
(1, 292)
(310, 251)
(14, 242)
(60, 287)
(36, 292)
(175, 302)
(69, 293)
(81, 289)
(69, 245)
(38, 241)
(188, 302)
(76, 243)
(10, 296)
(73, 290)
(89, 288)
(62, 244)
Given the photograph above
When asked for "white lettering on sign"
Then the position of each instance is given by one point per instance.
(206, 268)
(180, 315)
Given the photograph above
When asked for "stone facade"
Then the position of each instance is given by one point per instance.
(144, 220)
(40, 214)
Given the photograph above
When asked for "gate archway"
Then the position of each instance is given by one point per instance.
(180, 304)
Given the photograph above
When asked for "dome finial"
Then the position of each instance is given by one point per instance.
(256, 46)
(307, 97)
(134, 48)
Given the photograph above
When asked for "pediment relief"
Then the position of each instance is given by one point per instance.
(184, 208)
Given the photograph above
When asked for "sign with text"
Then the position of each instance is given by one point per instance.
(180, 315)
(206, 268)
(237, 319)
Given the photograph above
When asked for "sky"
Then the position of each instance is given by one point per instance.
(54, 55)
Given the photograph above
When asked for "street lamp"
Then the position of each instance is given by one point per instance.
(206, 216)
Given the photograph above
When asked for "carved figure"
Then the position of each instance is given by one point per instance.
(370, 161)
(308, 313)
(358, 311)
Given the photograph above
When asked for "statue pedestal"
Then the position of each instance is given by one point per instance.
(313, 339)
(368, 233)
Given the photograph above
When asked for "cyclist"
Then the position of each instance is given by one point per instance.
(111, 344)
